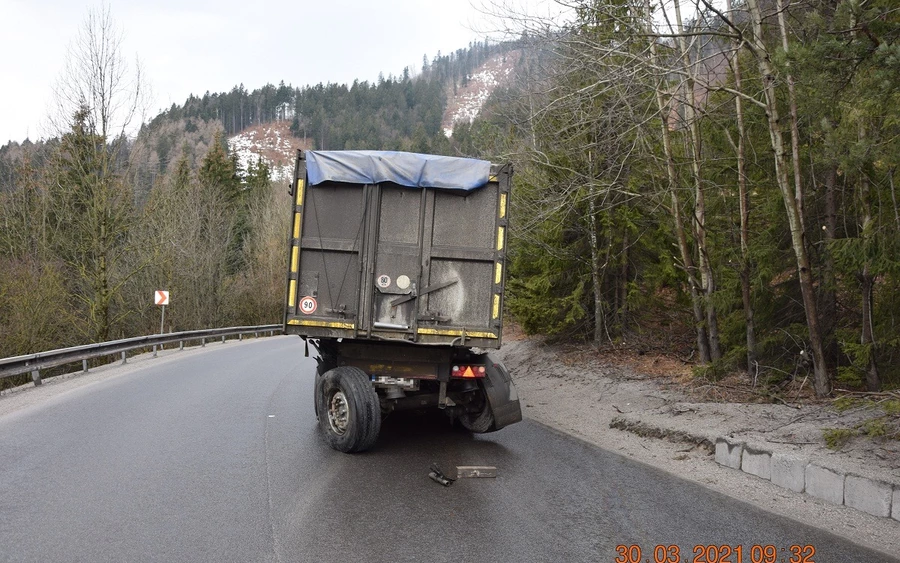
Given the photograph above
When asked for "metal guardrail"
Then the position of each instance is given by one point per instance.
(34, 363)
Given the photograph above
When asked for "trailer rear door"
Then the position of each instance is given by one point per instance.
(389, 261)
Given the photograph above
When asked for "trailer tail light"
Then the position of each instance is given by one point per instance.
(467, 372)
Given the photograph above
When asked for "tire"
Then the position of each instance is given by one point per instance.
(349, 409)
(480, 421)
(323, 365)
(317, 395)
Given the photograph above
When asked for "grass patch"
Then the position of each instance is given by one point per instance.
(836, 438)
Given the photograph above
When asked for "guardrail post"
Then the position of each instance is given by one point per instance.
(36, 377)
(123, 358)
(84, 366)
(203, 342)
(154, 350)
(255, 334)
(223, 339)
(241, 337)
(180, 345)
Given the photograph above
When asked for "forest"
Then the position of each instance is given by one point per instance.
(711, 180)
(727, 177)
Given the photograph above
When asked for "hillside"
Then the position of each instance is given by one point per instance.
(276, 144)
(273, 143)
(466, 103)
(415, 111)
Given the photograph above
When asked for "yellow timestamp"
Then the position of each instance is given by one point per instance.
(712, 553)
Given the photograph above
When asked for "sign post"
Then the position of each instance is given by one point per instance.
(161, 298)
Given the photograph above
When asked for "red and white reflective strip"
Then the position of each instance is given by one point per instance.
(467, 372)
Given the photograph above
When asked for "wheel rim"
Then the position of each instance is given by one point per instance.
(338, 413)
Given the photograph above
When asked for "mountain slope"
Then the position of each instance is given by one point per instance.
(273, 143)
(468, 100)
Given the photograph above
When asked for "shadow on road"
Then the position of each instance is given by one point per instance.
(412, 431)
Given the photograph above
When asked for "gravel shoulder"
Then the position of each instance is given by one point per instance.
(642, 410)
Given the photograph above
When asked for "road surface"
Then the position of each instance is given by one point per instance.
(214, 456)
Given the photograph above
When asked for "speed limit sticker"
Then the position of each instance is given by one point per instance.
(308, 305)
(384, 281)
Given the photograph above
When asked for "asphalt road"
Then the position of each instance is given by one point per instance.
(215, 457)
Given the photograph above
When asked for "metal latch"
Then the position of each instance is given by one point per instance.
(425, 291)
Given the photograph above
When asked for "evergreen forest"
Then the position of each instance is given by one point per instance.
(709, 180)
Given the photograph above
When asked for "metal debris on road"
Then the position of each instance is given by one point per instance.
(475, 471)
(438, 476)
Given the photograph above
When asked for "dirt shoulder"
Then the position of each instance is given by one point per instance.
(626, 403)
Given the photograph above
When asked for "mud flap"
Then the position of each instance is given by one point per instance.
(501, 394)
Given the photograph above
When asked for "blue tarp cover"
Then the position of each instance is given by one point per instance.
(405, 168)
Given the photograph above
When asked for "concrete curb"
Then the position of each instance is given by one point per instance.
(802, 475)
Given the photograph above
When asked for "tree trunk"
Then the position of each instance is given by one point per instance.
(622, 286)
(684, 249)
(792, 102)
(867, 281)
(744, 201)
(829, 282)
(867, 338)
(821, 378)
(596, 269)
(894, 198)
(707, 279)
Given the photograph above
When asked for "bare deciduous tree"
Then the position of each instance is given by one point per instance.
(98, 78)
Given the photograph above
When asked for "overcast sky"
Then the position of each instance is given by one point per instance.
(194, 46)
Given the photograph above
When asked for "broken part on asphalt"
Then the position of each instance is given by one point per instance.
(438, 476)
(462, 471)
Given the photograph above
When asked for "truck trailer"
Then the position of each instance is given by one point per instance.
(396, 272)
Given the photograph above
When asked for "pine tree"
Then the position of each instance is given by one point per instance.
(217, 171)
(92, 212)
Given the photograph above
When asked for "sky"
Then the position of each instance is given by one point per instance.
(195, 46)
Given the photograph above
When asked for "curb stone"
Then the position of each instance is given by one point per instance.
(869, 496)
(789, 471)
(825, 484)
(895, 511)
(757, 462)
(800, 475)
(729, 453)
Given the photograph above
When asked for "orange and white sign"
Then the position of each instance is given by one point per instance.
(161, 297)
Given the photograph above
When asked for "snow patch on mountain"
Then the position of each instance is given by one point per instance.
(466, 104)
(270, 142)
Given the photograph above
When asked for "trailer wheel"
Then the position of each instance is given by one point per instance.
(480, 421)
(317, 394)
(349, 410)
(323, 365)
